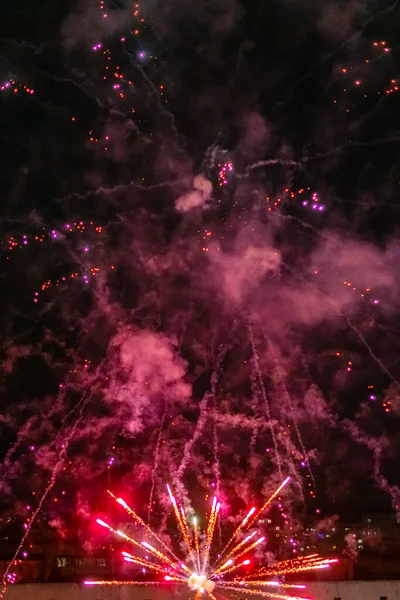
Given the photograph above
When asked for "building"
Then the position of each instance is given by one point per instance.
(344, 590)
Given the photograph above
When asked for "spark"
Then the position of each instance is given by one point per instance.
(263, 594)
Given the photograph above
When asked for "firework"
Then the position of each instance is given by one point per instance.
(197, 571)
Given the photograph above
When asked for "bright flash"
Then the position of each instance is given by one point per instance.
(200, 583)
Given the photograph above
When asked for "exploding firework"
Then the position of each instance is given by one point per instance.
(204, 569)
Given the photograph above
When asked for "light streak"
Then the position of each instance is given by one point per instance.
(238, 528)
(210, 531)
(117, 532)
(269, 501)
(142, 562)
(196, 541)
(262, 593)
(253, 545)
(243, 542)
(261, 583)
(232, 568)
(160, 555)
(179, 519)
(297, 566)
(243, 523)
(178, 579)
(116, 582)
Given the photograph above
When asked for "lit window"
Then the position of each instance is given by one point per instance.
(61, 562)
(277, 528)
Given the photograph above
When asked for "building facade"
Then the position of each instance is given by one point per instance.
(345, 590)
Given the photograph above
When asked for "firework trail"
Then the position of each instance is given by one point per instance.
(188, 449)
(255, 407)
(156, 96)
(370, 350)
(256, 363)
(216, 466)
(94, 97)
(28, 427)
(272, 161)
(376, 446)
(56, 470)
(281, 375)
(204, 414)
(23, 432)
(214, 382)
(156, 461)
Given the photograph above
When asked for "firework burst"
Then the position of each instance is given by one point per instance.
(204, 569)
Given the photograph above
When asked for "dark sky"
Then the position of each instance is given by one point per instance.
(199, 255)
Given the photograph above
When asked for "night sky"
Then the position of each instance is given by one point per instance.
(199, 249)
